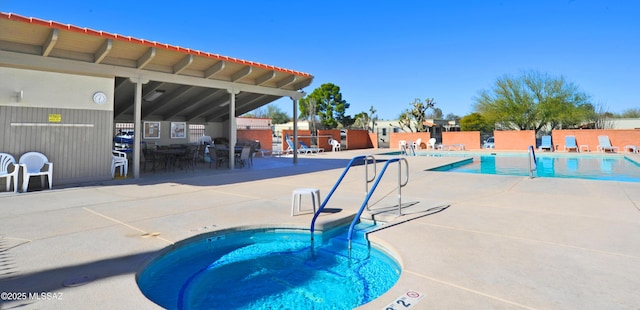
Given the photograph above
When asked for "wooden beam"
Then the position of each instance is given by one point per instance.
(265, 77)
(182, 64)
(219, 66)
(286, 81)
(146, 58)
(103, 51)
(51, 42)
(241, 73)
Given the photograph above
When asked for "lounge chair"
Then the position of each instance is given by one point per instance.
(570, 144)
(294, 149)
(6, 161)
(33, 164)
(307, 149)
(546, 144)
(604, 144)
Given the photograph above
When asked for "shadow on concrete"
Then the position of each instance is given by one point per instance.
(203, 175)
(52, 280)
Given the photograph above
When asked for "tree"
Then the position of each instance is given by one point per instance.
(330, 107)
(363, 119)
(374, 118)
(436, 114)
(417, 114)
(452, 117)
(532, 101)
(630, 113)
(476, 122)
(404, 120)
(276, 115)
(271, 111)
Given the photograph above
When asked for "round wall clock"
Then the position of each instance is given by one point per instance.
(99, 97)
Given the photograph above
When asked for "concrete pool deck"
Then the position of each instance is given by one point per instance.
(465, 241)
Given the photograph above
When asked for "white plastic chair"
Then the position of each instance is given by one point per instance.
(335, 145)
(416, 144)
(32, 164)
(432, 143)
(7, 160)
(119, 160)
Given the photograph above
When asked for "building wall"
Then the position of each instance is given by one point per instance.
(470, 139)
(265, 137)
(57, 117)
(514, 139)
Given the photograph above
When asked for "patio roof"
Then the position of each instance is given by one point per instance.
(194, 85)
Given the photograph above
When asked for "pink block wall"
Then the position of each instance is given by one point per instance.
(470, 139)
(589, 137)
(514, 139)
(395, 137)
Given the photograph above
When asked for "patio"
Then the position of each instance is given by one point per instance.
(501, 242)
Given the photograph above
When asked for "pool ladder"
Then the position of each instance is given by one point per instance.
(408, 149)
(354, 161)
(368, 192)
(533, 164)
(401, 184)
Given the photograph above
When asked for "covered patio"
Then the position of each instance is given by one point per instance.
(145, 81)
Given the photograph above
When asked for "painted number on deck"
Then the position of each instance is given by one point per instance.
(406, 301)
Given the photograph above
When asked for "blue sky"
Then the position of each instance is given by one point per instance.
(387, 53)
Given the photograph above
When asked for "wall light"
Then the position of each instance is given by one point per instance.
(153, 95)
(19, 95)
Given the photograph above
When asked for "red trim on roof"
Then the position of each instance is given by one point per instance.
(107, 35)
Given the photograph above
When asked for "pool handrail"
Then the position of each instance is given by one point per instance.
(532, 157)
(366, 159)
(373, 188)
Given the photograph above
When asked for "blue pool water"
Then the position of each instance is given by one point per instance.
(610, 168)
(268, 269)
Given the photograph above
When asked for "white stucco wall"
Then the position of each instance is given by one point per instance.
(42, 89)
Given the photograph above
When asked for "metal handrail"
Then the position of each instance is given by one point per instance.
(532, 157)
(335, 186)
(366, 174)
(370, 193)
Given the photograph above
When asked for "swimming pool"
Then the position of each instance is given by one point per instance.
(268, 269)
(593, 167)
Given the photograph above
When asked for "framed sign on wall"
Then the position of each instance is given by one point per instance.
(151, 130)
(178, 130)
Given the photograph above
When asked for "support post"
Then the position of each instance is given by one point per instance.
(137, 123)
(233, 134)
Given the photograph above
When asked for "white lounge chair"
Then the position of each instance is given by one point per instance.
(307, 149)
(119, 160)
(6, 161)
(604, 144)
(33, 164)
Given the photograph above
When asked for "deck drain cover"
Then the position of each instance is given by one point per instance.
(78, 281)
